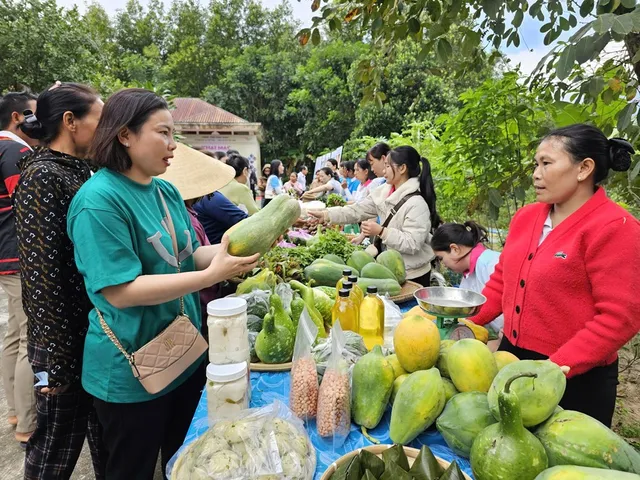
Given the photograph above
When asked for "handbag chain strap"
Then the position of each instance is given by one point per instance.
(174, 241)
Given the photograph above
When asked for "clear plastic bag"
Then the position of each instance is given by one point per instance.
(257, 302)
(285, 292)
(303, 396)
(268, 443)
(392, 317)
(353, 350)
(334, 397)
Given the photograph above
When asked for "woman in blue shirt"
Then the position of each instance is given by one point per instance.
(274, 182)
(124, 250)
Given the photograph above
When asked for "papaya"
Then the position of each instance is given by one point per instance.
(396, 386)
(479, 331)
(372, 384)
(573, 438)
(462, 420)
(445, 345)
(419, 401)
(417, 343)
(385, 285)
(334, 258)
(324, 273)
(538, 396)
(504, 358)
(506, 450)
(471, 365)
(417, 310)
(450, 389)
(359, 259)
(395, 363)
(375, 270)
(265, 280)
(393, 260)
(571, 472)
(275, 342)
(257, 233)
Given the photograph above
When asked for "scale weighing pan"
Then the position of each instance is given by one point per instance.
(448, 304)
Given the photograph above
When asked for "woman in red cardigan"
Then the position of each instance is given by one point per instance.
(566, 277)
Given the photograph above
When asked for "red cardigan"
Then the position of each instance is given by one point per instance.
(574, 297)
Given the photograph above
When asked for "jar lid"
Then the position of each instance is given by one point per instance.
(226, 373)
(225, 307)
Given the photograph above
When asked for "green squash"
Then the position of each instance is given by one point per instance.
(384, 285)
(506, 450)
(573, 438)
(372, 384)
(538, 396)
(393, 260)
(462, 420)
(359, 259)
(375, 270)
(275, 342)
(334, 258)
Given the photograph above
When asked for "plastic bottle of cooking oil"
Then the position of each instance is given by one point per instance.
(345, 276)
(345, 311)
(356, 290)
(372, 319)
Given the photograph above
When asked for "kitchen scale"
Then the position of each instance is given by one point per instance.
(449, 304)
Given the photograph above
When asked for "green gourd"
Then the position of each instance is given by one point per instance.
(372, 384)
(275, 342)
(297, 306)
(309, 301)
(280, 316)
(506, 450)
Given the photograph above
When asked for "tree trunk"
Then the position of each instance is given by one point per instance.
(632, 42)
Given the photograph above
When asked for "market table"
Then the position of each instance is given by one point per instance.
(269, 386)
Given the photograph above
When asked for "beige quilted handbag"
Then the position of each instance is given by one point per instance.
(159, 362)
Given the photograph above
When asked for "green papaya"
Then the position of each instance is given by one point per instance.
(280, 316)
(372, 384)
(359, 259)
(441, 365)
(265, 280)
(393, 260)
(462, 420)
(275, 342)
(375, 270)
(397, 383)
(334, 258)
(385, 285)
(573, 438)
(324, 273)
(450, 389)
(571, 472)
(419, 401)
(538, 396)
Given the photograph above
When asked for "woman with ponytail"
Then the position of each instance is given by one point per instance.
(566, 279)
(406, 205)
(461, 247)
(55, 299)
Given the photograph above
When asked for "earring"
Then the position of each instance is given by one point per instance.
(126, 145)
(579, 179)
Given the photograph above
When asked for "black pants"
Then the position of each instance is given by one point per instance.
(593, 392)
(424, 280)
(134, 433)
(265, 201)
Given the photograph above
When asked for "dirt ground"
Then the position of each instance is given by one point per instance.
(626, 421)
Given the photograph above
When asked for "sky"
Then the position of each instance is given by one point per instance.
(528, 55)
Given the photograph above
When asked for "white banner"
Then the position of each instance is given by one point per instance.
(322, 160)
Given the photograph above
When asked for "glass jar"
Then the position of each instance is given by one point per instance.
(227, 390)
(228, 334)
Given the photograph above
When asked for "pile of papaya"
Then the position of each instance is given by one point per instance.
(386, 272)
(500, 412)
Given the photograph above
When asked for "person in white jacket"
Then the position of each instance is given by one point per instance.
(409, 199)
(461, 247)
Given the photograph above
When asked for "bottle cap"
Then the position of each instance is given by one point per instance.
(344, 293)
(346, 272)
(372, 289)
(353, 279)
(347, 285)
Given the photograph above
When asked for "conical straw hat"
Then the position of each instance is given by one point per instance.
(195, 174)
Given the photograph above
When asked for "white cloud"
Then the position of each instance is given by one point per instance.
(527, 59)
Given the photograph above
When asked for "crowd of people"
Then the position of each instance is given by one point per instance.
(110, 232)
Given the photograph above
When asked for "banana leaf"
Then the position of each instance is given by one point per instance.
(369, 476)
(426, 467)
(394, 472)
(372, 463)
(354, 472)
(395, 456)
(453, 472)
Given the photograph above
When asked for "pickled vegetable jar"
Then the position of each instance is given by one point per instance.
(228, 333)
(227, 390)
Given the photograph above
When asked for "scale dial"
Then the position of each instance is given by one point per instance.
(460, 332)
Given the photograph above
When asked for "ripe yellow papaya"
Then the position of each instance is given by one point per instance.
(471, 365)
(417, 343)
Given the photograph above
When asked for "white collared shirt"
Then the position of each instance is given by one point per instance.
(14, 137)
(547, 228)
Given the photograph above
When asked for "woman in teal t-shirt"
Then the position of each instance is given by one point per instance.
(125, 254)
